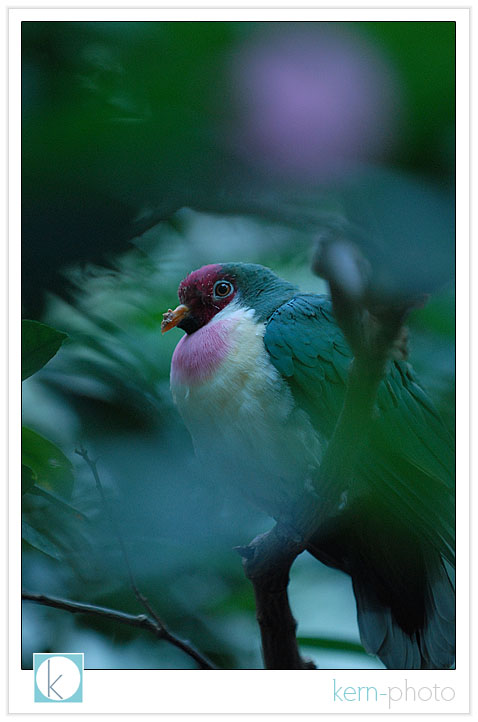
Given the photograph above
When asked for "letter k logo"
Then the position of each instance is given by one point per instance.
(50, 685)
(58, 677)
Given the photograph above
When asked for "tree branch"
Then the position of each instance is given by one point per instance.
(267, 561)
(142, 621)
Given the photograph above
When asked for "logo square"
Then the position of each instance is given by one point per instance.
(58, 677)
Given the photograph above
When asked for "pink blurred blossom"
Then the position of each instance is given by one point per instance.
(312, 105)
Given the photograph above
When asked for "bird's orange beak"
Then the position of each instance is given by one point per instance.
(172, 318)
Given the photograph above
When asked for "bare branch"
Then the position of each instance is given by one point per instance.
(267, 561)
(142, 621)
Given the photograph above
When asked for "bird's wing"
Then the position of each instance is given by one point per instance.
(409, 459)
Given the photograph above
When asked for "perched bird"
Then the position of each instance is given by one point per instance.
(259, 380)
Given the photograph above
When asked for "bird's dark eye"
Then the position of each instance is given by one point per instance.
(223, 289)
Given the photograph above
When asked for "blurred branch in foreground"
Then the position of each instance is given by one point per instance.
(268, 558)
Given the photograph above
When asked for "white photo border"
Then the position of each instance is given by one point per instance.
(245, 691)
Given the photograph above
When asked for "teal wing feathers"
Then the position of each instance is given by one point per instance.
(410, 456)
(308, 349)
(395, 536)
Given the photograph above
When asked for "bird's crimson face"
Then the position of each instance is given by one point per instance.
(202, 294)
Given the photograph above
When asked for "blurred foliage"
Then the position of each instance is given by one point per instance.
(47, 465)
(124, 123)
(39, 344)
(424, 54)
(49, 521)
(133, 175)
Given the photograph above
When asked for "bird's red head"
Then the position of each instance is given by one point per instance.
(208, 290)
(202, 294)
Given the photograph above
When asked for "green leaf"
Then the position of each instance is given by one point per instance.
(39, 344)
(53, 470)
(39, 541)
(57, 501)
(326, 643)
(28, 479)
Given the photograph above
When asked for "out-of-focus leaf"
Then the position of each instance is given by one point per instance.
(53, 470)
(39, 344)
(57, 501)
(325, 643)
(39, 541)
(404, 226)
(28, 479)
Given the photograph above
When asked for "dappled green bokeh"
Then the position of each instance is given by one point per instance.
(134, 173)
(125, 123)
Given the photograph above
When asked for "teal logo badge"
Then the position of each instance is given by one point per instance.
(58, 677)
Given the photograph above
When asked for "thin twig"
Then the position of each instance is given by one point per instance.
(94, 470)
(166, 634)
(142, 621)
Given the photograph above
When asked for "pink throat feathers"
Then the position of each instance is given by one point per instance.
(198, 355)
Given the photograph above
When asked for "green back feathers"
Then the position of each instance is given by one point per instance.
(409, 461)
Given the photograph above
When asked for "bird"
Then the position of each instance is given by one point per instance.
(259, 378)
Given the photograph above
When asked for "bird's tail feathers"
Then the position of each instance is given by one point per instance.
(431, 646)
